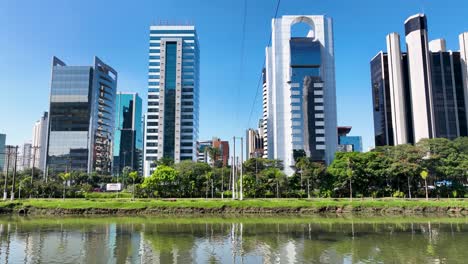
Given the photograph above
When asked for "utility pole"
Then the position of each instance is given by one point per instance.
(12, 197)
(5, 193)
(241, 162)
(234, 169)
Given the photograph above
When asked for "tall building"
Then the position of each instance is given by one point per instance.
(2, 150)
(419, 93)
(39, 142)
(300, 92)
(81, 117)
(173, 95)
(128, 136)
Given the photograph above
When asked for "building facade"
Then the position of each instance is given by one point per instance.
(254, 144)
(173, 95)
(81, 118)
(25, 154)
(300, 92)
(39, 142)
(2, 152)
(128, 136)
(348, 143)
(419, 93)
(203, 155)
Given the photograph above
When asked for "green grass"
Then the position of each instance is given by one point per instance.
(126, 203)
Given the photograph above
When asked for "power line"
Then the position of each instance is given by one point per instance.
(261, 72)
(241, 64)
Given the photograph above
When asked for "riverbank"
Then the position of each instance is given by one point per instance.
(387, 206)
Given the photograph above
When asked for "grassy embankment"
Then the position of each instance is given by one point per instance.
(125, 203)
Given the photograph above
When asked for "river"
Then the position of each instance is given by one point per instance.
(233, 239)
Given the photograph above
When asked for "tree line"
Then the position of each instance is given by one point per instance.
(436, 167)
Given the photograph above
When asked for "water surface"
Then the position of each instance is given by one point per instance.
(233, 240)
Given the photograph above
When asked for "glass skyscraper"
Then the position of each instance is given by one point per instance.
(171, 128)
(81, 117)
(299, 92)
(128, 137)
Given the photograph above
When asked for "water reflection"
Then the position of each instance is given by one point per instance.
(245, 240)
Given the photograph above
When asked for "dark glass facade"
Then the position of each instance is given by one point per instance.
(383, 128)
(128, 137)
(307, 98)
(170, 100)
(447, 94)
(81, 118)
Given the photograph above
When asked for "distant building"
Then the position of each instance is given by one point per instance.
(203, 154)
(24, 157)
(421, 93)
(299, 92)
(128, 136)
(348, 143)
(223, 147)
(81, 117)
(173, 95)
(254, 144)
(39, 142)
(2, 152)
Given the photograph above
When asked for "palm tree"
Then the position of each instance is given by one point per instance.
(302, 164)
(134, 176)
(214, 153)
(65, 177)
(424, 175)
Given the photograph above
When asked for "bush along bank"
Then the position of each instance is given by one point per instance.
(229, 207)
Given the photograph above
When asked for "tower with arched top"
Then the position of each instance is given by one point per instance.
(300, 96)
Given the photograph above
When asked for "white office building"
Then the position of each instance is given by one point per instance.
(299, 92)
(173, 95)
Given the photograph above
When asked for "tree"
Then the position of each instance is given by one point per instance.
(275, 176)
(424, 175)
(313, 173)
(161, 181)
(166, 161)
(134, 176)
(214, 154)
(64, 176)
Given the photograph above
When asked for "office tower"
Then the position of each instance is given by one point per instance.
(301, 99)
(265, 115)
(81, 117)
(448, 95)
(2, 152)
(173, 95)
(398, 93)
(419, 93)
(254, 144)
(39, 142)
(463, 38)
(420, 78)
(128, 136)
(24, 157)
(381, 105)
(348, 143)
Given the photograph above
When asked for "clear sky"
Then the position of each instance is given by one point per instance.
(31, 32)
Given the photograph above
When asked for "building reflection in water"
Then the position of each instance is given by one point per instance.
(150, 240)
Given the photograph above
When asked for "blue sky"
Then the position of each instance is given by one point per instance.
(31, 32)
